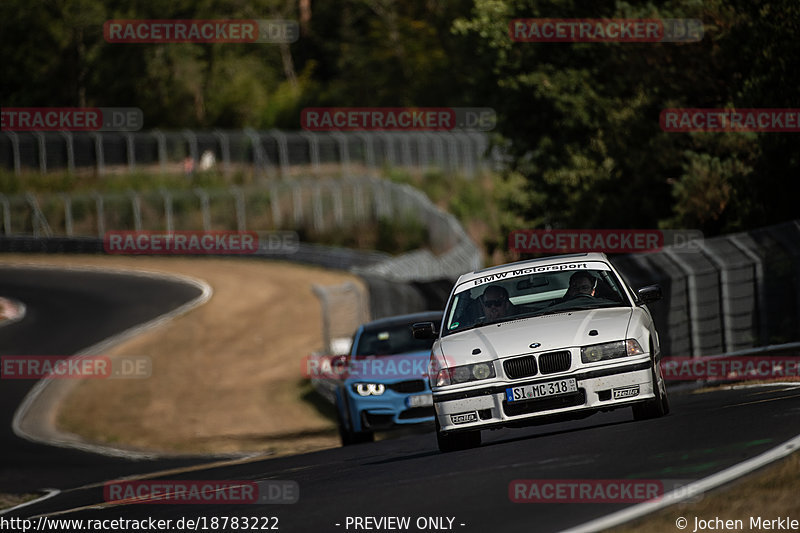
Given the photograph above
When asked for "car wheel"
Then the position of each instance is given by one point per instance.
(658, 406)
(452, 442)
(349, 437)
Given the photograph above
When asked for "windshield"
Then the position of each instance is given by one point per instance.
(390, 341)
(532, 295)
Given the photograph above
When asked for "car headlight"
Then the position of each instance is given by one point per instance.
(369, 389)
(464, 374)
(610, 350)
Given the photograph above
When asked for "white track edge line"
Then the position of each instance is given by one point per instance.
(20, 307)
(50, 494)
(703, 485)
(105, 344)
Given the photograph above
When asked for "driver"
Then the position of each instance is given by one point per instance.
(581, 283)
(495, 302)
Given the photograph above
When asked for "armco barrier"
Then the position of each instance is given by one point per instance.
(735, 292)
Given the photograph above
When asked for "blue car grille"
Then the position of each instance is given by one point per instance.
(413, 385)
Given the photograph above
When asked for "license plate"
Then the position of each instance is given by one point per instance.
(422, 400)
(541, 390)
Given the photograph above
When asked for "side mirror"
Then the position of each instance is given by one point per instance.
(651, 293)
(423, 330)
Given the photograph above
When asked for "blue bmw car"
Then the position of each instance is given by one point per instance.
(384, 381)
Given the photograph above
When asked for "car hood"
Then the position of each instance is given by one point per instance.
(551, 332)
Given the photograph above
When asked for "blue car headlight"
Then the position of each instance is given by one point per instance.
(369, 389)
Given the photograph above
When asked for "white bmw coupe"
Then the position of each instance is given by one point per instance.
(542, 341)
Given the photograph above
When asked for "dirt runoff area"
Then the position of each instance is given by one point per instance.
(226, 377)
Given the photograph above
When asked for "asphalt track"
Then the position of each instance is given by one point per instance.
(67, 311)
(407, 476)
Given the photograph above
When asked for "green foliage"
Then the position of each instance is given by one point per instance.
(400, 235)
(580, 120)
(583, 119)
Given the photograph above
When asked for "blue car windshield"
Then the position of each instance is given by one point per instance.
(391, 340)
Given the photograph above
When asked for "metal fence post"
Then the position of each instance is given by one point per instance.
(438, 150)
(344, 152)
(275, 205)
(283, 152)
(6, 214)
(167, 209)
(338, 207)
(131, 151)
(297, 204)
(67, 213)
(225, 151)
(313, 149)
(136, 207)
(15, 152)
(317, 208)
(369, 151)
(259, 157)
(98, 149)
(42, 151)
(161, 141)
(405, 150)
(241, 215)
(204, 207)
(70, 151)
(38, 219)
(101, 219)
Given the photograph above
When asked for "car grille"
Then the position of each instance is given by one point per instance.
(413, 385)
(555, 362)
(520, 367)
(417, 412)
(376, 420)
(545, 404)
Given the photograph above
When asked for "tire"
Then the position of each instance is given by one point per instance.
(658, 406)
(453, 442)
(349, 437)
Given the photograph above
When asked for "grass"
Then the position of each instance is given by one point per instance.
(769, 493)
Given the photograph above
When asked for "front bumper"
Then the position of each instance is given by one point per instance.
(371, 413)
(595, 385)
